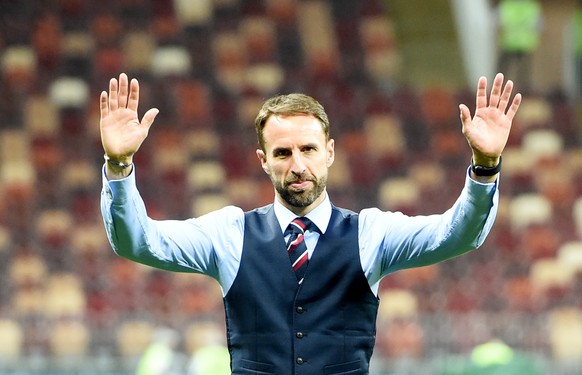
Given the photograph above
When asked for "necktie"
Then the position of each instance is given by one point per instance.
(296, 245)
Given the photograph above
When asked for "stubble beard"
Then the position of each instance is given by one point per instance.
(301, 198)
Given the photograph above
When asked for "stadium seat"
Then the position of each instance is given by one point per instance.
(64, 296)
(529, 209)
(194, 104)
(138, 50)
(397, 303)
(534, 112)
(19, 66)
(569, 255)
(203, 144)
(41, 117)
(565, 334)
(259, 35)
(207, 202)
(577, 215)
(206, 175)
(133, 337)
(69, 92)
(398, 194)
(542, 143)
(27, 269)
(172, 61)
(12, 343)
(549, 274)
(69, 338)
(193, 13)
(384, 136)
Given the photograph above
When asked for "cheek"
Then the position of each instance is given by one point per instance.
(273, 170)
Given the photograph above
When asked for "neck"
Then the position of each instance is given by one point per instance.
(302, 211)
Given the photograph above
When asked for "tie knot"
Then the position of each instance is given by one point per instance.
(299, 225)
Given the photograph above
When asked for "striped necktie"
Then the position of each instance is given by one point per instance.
(296, 246)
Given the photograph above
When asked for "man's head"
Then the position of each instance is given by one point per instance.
(290, 105)
(296, 151)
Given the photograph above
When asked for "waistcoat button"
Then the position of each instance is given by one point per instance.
(300, 310)
(299, 361)
(299, 335)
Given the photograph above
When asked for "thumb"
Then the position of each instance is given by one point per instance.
(465, 114)
(149, 117)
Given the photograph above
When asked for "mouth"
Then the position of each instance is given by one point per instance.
(299, 185)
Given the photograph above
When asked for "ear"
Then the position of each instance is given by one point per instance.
(330, 148)
(263, 159)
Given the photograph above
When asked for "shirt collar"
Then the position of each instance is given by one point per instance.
(320, 215)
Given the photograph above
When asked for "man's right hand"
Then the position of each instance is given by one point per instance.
(121, 131)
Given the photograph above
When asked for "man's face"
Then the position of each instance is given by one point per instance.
(296, 158)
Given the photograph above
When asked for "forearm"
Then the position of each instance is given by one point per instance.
(133, 235)
(424, 240)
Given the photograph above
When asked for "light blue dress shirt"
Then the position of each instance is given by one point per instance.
(212, 244)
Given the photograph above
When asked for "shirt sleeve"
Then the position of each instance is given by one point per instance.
(210, 244)
(390, 241)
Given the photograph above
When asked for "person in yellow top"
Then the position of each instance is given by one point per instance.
(577, 45)
(519, 31)
(495, 357)
(492, 353)
(159, 358)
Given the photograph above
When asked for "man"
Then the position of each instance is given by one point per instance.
(316, 312)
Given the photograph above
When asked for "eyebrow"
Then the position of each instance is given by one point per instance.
(277, 150)
(310, 145)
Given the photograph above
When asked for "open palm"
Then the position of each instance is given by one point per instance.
(121, 131)
(488, 131)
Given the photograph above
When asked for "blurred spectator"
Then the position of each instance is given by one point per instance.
(519, 27)
(495, 357)
(159, 358)
(577, 45)
(210, 355)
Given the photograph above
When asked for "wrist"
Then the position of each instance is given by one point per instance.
(118, 164)
(487, 169)
(117, 169)
(485, 161)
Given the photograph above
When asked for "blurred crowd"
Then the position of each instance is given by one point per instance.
(207, 65)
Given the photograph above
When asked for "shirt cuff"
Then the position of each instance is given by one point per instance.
(479, 191)
(119, 190)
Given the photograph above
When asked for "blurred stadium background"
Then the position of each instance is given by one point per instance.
(390, 74)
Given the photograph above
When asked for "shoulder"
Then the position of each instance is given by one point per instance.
(225, 217)
(344, 212)
(260, 210)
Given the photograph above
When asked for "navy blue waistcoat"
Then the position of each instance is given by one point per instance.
(326, 325)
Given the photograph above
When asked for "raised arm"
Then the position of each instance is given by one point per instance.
(121, 131)
(488, 130)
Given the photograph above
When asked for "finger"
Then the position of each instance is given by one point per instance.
(505, 95)
(496, 90)
(103, 107)
(465, 115)
(133, 100)
(149, 117)
(481, 97)
(514, 107)
(113, 94)
(123, 90)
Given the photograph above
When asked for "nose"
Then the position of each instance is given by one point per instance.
(298, 166)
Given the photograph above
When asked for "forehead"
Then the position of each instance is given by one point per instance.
(284, 129)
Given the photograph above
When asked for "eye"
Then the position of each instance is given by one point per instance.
(281, 153)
